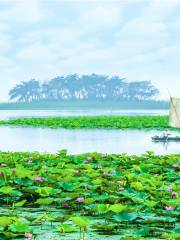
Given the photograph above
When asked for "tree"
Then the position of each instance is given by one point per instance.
(26, 91)
(90, 87)
(143, 90)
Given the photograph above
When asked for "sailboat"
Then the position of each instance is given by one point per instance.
(174, 114)
(174, 121)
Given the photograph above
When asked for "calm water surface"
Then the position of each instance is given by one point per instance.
(9, 114)
(81, 141)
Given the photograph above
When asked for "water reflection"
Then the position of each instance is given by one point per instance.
(165, 144)
(9, 114)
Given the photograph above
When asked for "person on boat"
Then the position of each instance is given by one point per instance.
(166, 134)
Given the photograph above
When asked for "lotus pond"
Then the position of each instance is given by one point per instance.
(88, 196)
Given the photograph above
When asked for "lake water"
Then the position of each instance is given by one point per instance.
(81, 141)
(9, 114)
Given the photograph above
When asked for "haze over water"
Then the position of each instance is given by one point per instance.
(9, 114)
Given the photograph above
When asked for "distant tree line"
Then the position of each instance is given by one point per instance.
(85, 87)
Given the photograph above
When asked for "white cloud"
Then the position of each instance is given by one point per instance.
(4, 37)
(36, 53)
(23, 12)
(158, 10)
(4, 43)
(5, 62)
(102, 17)
(99, 37)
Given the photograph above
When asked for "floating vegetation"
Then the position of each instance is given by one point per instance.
(112, 122)
(89, 196)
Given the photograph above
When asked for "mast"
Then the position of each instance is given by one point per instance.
(173, 110)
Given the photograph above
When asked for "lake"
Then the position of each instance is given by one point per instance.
(81, 141)
(9, 114)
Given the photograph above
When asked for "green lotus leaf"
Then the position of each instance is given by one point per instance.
(47, 191)
(143, 232)
(5, 221)
(6, 189)
(19, 227)
(137, 186)
(177, 230)
(118, 208)
(23, 172)
(2, 182)
(20, 204)
(68, 186)
(150, 203)
(137, 168)
(124, 216)
(97, 181)
(102, 208)
(81, 222)
(44, 201)
(89, 201)
(23, 181)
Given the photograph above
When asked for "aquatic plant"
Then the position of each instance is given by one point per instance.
(29, 236)
(115, 122)
(138, 198)
(80, 199)
(174, 194)
(169, 208)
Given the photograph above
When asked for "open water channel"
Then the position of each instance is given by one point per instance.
(82, 140)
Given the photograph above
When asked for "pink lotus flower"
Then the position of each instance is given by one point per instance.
(80, 199)
(76, 171)
(169, 188)
(121, 189)
(105, 173)
(28, 235)
(169, 208)
(65, 205)
(38, 179)
(3, 165)
(174, 194)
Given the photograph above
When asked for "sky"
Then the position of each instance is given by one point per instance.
(135, 39)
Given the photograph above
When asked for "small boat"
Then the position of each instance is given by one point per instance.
(165, 139)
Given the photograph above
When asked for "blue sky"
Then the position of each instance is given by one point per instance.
(139, 40)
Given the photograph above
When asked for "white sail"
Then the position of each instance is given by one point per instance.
(174, 118)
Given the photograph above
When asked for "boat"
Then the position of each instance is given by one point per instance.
(165, 139)
(174, 122)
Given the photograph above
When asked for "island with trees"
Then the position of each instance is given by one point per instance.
(85, 90)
